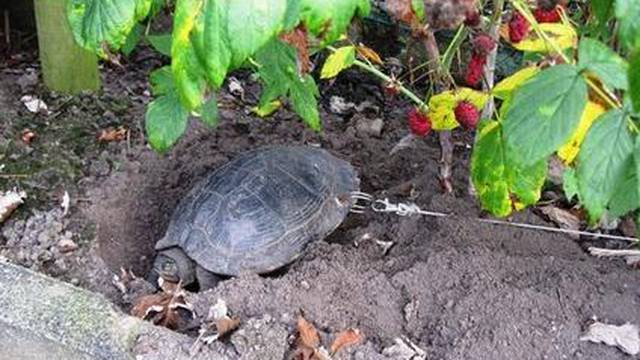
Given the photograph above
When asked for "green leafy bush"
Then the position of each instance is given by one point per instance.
(578, 98)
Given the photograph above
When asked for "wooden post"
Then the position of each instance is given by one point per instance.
(66, 67)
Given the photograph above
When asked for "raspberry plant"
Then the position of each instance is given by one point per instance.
(577, 96)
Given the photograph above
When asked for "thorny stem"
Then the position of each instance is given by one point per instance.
(455, 43)
(446, 143)
(373, 70)
(370, 68)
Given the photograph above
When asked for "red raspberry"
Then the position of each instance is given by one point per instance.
(474, 70)
(419, 122)
(483, 44)
(467, 114)
(518, 28)
(472, 18)
(547, 16)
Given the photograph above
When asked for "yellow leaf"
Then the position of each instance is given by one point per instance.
(477, 98)
(369, 54)
(339, 60)
(267, 109)
(569, 151)
(563, 35)
(442, 106)
(505, 87)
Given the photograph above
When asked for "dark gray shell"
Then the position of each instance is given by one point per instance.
(258, 212)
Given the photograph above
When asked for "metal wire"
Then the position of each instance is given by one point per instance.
(363, 202)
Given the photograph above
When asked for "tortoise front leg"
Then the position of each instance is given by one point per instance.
(206, 279)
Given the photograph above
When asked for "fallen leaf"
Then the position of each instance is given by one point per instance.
(563, 218)
(369, 54)
(9, 201)
(111, 134)
(404, 349)
(27, 136)
(236, 88)
(34, 105)
(66, 200)
(624, 337)
(346, 338)
(403, 11)
(308, 335)
(226, 326)
(67, 245)
(338, 105)
(385, 245)
(162, 308)
(298, 39)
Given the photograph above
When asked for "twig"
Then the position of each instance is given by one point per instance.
(11, 176)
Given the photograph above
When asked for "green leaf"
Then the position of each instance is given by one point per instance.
(570, 183)
(602, 9)
(162, 81)
(166, 120)
(501, 182)
(303, 94)
(544, 113)
(418, 8)
(209, 111)
(330, 18)
(267, 109)
(625, 196)
(161, 42)
(187, 69)
(279, 72)
(339, 60)
(602, 160)
(628, 12)
(634, 80)
(98, 22)
(609, 66)
(132, 40)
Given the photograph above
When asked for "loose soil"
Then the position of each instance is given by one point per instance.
(457, 288)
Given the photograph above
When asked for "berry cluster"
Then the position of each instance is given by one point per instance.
(419, 122)
(448, 14)
(483, 44)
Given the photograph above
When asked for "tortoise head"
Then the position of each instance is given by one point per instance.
(172, 264)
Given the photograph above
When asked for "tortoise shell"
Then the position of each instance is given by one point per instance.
(258, 212)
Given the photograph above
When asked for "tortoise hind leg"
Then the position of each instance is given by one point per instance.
(206, 279)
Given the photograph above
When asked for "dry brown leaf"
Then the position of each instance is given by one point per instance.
(9, 201)
(162, 308)
(111, 134)
(298, 39)
(226, 325)
(27, 136)
(402, 10)
(369, 54)
(346, 338)
(308, 335)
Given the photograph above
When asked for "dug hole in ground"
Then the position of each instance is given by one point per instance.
(457, 289)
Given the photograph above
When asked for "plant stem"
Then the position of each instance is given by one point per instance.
(373, 70)
(421, 104)
(458, 38)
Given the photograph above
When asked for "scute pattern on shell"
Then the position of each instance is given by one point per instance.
(259, 211)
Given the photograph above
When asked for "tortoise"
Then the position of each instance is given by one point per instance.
(257, 213)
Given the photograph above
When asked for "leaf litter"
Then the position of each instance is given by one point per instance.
(309, 345)
(164, 308)
(220, 323)
(9, 201)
